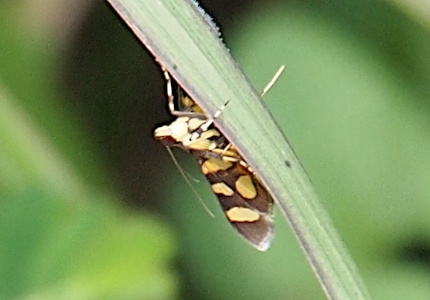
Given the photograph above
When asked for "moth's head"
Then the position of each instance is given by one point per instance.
(174, 133)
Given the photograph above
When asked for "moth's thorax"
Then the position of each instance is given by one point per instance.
(186, 132)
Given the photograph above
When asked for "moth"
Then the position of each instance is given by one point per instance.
(244, 200)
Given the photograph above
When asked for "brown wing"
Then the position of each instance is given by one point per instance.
(245, 202)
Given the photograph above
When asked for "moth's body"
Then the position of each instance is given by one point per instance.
(244, 200)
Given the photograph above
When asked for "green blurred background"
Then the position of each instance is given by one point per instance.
(93, 208)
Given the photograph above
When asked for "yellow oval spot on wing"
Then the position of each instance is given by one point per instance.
(242, 214)
(209, 133)
(227, 153)
(195, 123)
(245, 187)
(199, 144)
(213, 165)
(222, 188)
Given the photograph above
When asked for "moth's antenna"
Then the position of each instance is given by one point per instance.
(205, 126)
(182, 171)
(270, 84)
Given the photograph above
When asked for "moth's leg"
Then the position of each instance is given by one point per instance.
(171, 100)
(170, 97)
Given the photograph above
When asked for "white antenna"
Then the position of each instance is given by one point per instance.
(272, 82)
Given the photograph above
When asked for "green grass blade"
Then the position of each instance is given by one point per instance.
(186, 42)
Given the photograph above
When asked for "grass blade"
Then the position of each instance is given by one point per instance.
(187, 43)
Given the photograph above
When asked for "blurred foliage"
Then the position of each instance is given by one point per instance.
(63, 234)
(78, 106)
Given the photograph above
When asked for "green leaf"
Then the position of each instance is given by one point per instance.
(186, 42)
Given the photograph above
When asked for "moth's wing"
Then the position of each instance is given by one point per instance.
(245, 202)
